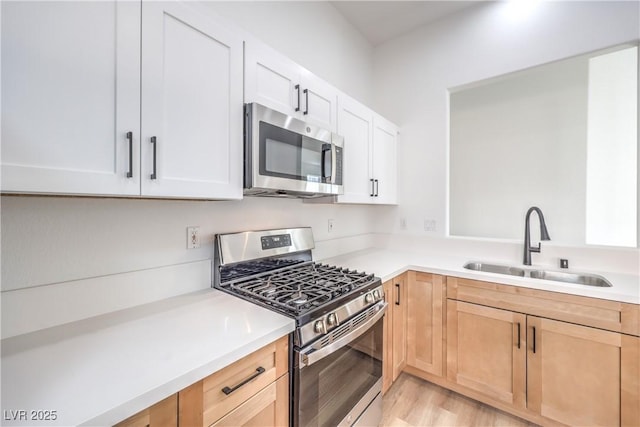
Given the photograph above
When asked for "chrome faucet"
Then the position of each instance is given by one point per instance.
(544, 234)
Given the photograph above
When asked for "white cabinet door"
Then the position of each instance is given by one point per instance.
(385, 170)
(70, 95)
(320, 101)
(355, 125)
(370, 154)
(191, 104)
(275, 81)
(272, 80)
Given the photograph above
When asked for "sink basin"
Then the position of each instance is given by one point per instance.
(557, 276)
(494, 268)
(577, 278)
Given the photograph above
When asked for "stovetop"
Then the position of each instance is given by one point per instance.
(300, 291)
(274, 268)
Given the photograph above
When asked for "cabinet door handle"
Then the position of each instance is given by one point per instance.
(229, 390)
(372, 188)
(155, 145)
(397, 294)
(534, 340)
(518, 334)
(130, 139)
(298, 90)
(377, 187)
(306, 105)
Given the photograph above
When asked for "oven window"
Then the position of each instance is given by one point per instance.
(287, 154)
(331, 387)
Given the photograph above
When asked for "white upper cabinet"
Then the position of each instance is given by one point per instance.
(370, 154)
(385, 160)
(191, 104)
(355, 124)
(277, 82)
(320, 101)
(271, 79)
(71, 97)
(76, 77)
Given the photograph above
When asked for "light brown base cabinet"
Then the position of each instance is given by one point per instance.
(254, 391)
(486, 351)
(394, 330)
(425, 321)
(387, 343)
(399, 321)
(162, 414)
(551, 358)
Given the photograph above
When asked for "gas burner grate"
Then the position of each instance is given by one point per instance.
(299, 289)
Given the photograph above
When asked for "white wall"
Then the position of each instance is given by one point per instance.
(612, 140)
(412, 74)
(312, 33)
(68, 258)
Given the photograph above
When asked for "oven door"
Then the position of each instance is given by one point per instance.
(338, 379)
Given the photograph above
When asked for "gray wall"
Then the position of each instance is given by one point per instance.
(520, 141)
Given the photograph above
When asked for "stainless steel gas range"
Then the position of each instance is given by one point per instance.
(336, 348)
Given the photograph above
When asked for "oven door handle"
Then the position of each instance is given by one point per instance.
(311, 358)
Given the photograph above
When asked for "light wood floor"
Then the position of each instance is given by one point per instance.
(413, 402)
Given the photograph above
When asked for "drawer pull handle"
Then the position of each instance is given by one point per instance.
(518, 334)
(228, 390)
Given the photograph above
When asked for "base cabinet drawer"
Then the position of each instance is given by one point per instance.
(268, 407)
(209, 400)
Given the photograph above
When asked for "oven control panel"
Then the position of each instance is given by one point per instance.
(326, 323)
(273, 242)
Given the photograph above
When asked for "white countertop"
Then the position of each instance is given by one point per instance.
(387, 264)
(102, 370)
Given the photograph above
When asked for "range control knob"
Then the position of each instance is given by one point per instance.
(368, 298)
(376, 294)
(319, 327)
(332, 319)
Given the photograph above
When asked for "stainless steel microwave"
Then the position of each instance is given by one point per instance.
(284, 156)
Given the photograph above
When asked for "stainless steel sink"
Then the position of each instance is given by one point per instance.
(577, 278)
(494, 268)
(557, 276)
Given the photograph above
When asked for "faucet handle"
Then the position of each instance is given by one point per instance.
(535, 249)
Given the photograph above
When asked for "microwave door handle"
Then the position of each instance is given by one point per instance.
(310, 359)
(334, 163)
(323, 172)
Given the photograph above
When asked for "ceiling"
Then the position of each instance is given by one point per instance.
(380, 21)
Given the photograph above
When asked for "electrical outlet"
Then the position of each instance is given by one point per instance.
(193, 237)
(429, 225)
(329, 225)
